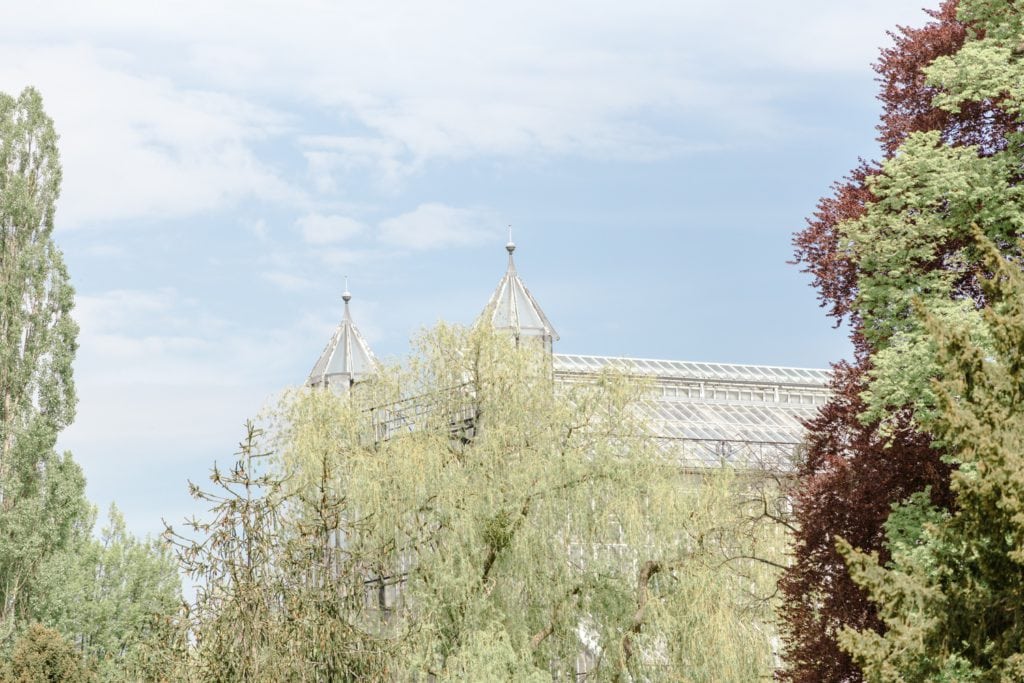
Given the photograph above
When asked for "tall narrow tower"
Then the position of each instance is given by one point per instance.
(513, 309)
(346, 359)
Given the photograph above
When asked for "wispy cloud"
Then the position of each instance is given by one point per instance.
(328, 156)
(138, 146)
(292, 144)
(140, 347)
(110, 251)
(175, 138)
(431, 226)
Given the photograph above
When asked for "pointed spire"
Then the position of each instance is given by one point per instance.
(513, 309)
(347, 358)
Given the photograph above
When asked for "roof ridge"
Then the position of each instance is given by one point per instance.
(701, 362)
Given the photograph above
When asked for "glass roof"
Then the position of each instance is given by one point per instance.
(679, 369)
(752, 432)
(769, 423)
(513, 308)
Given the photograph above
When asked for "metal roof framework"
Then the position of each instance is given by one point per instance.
(710, 415)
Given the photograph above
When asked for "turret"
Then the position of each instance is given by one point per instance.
(347, 358)
(513, 309)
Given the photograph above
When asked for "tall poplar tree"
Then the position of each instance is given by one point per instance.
(41, 492)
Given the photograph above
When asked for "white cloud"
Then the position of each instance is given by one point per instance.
(320, 229)
(396, 85)
(111, 251)
(117, 308)
(155, 368)
(138, 146)
(326, 155)
(258, 227)
(139, 347)
(345, 257)
(171, 110)
(430, 226)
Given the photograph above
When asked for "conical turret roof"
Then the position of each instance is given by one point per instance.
(513, 309)
(346, 359)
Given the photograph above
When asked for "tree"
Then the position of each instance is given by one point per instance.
(849, 469)
(951, 595)
(233, 616)
(102, 594)
(870, 447)
(41, 655)
(41, 493)
(110, 596)
(470, 520)
(271, 602)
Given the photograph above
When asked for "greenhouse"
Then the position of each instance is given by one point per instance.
(706, 414)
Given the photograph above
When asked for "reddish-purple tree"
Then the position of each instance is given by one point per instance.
(851, 475)
(848, 482)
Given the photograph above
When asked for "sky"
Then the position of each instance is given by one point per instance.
(227, 165)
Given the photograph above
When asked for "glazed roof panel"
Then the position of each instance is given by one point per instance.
(689, 370)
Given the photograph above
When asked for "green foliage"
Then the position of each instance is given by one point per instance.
(106, 596)
(925, 199)
(464, 518)
(272, 602)
(927, 196)
(41, 493)
(110, 595)
(913, 242)
(41, 655)
(952, 598)
(513, 523)
(953, 595)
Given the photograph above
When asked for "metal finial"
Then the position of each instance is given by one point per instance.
(511, 246)
(346, 296)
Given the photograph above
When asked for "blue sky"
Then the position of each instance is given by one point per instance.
(227, 164)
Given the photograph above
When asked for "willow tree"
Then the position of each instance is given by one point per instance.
(480, 522)
(41, 492)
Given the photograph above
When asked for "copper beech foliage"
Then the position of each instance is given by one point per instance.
(848, 483)
(851, 475)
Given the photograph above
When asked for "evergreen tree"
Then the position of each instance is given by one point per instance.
(41, 655)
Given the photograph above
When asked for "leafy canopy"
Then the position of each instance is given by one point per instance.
(950, 595)
(473, 520)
